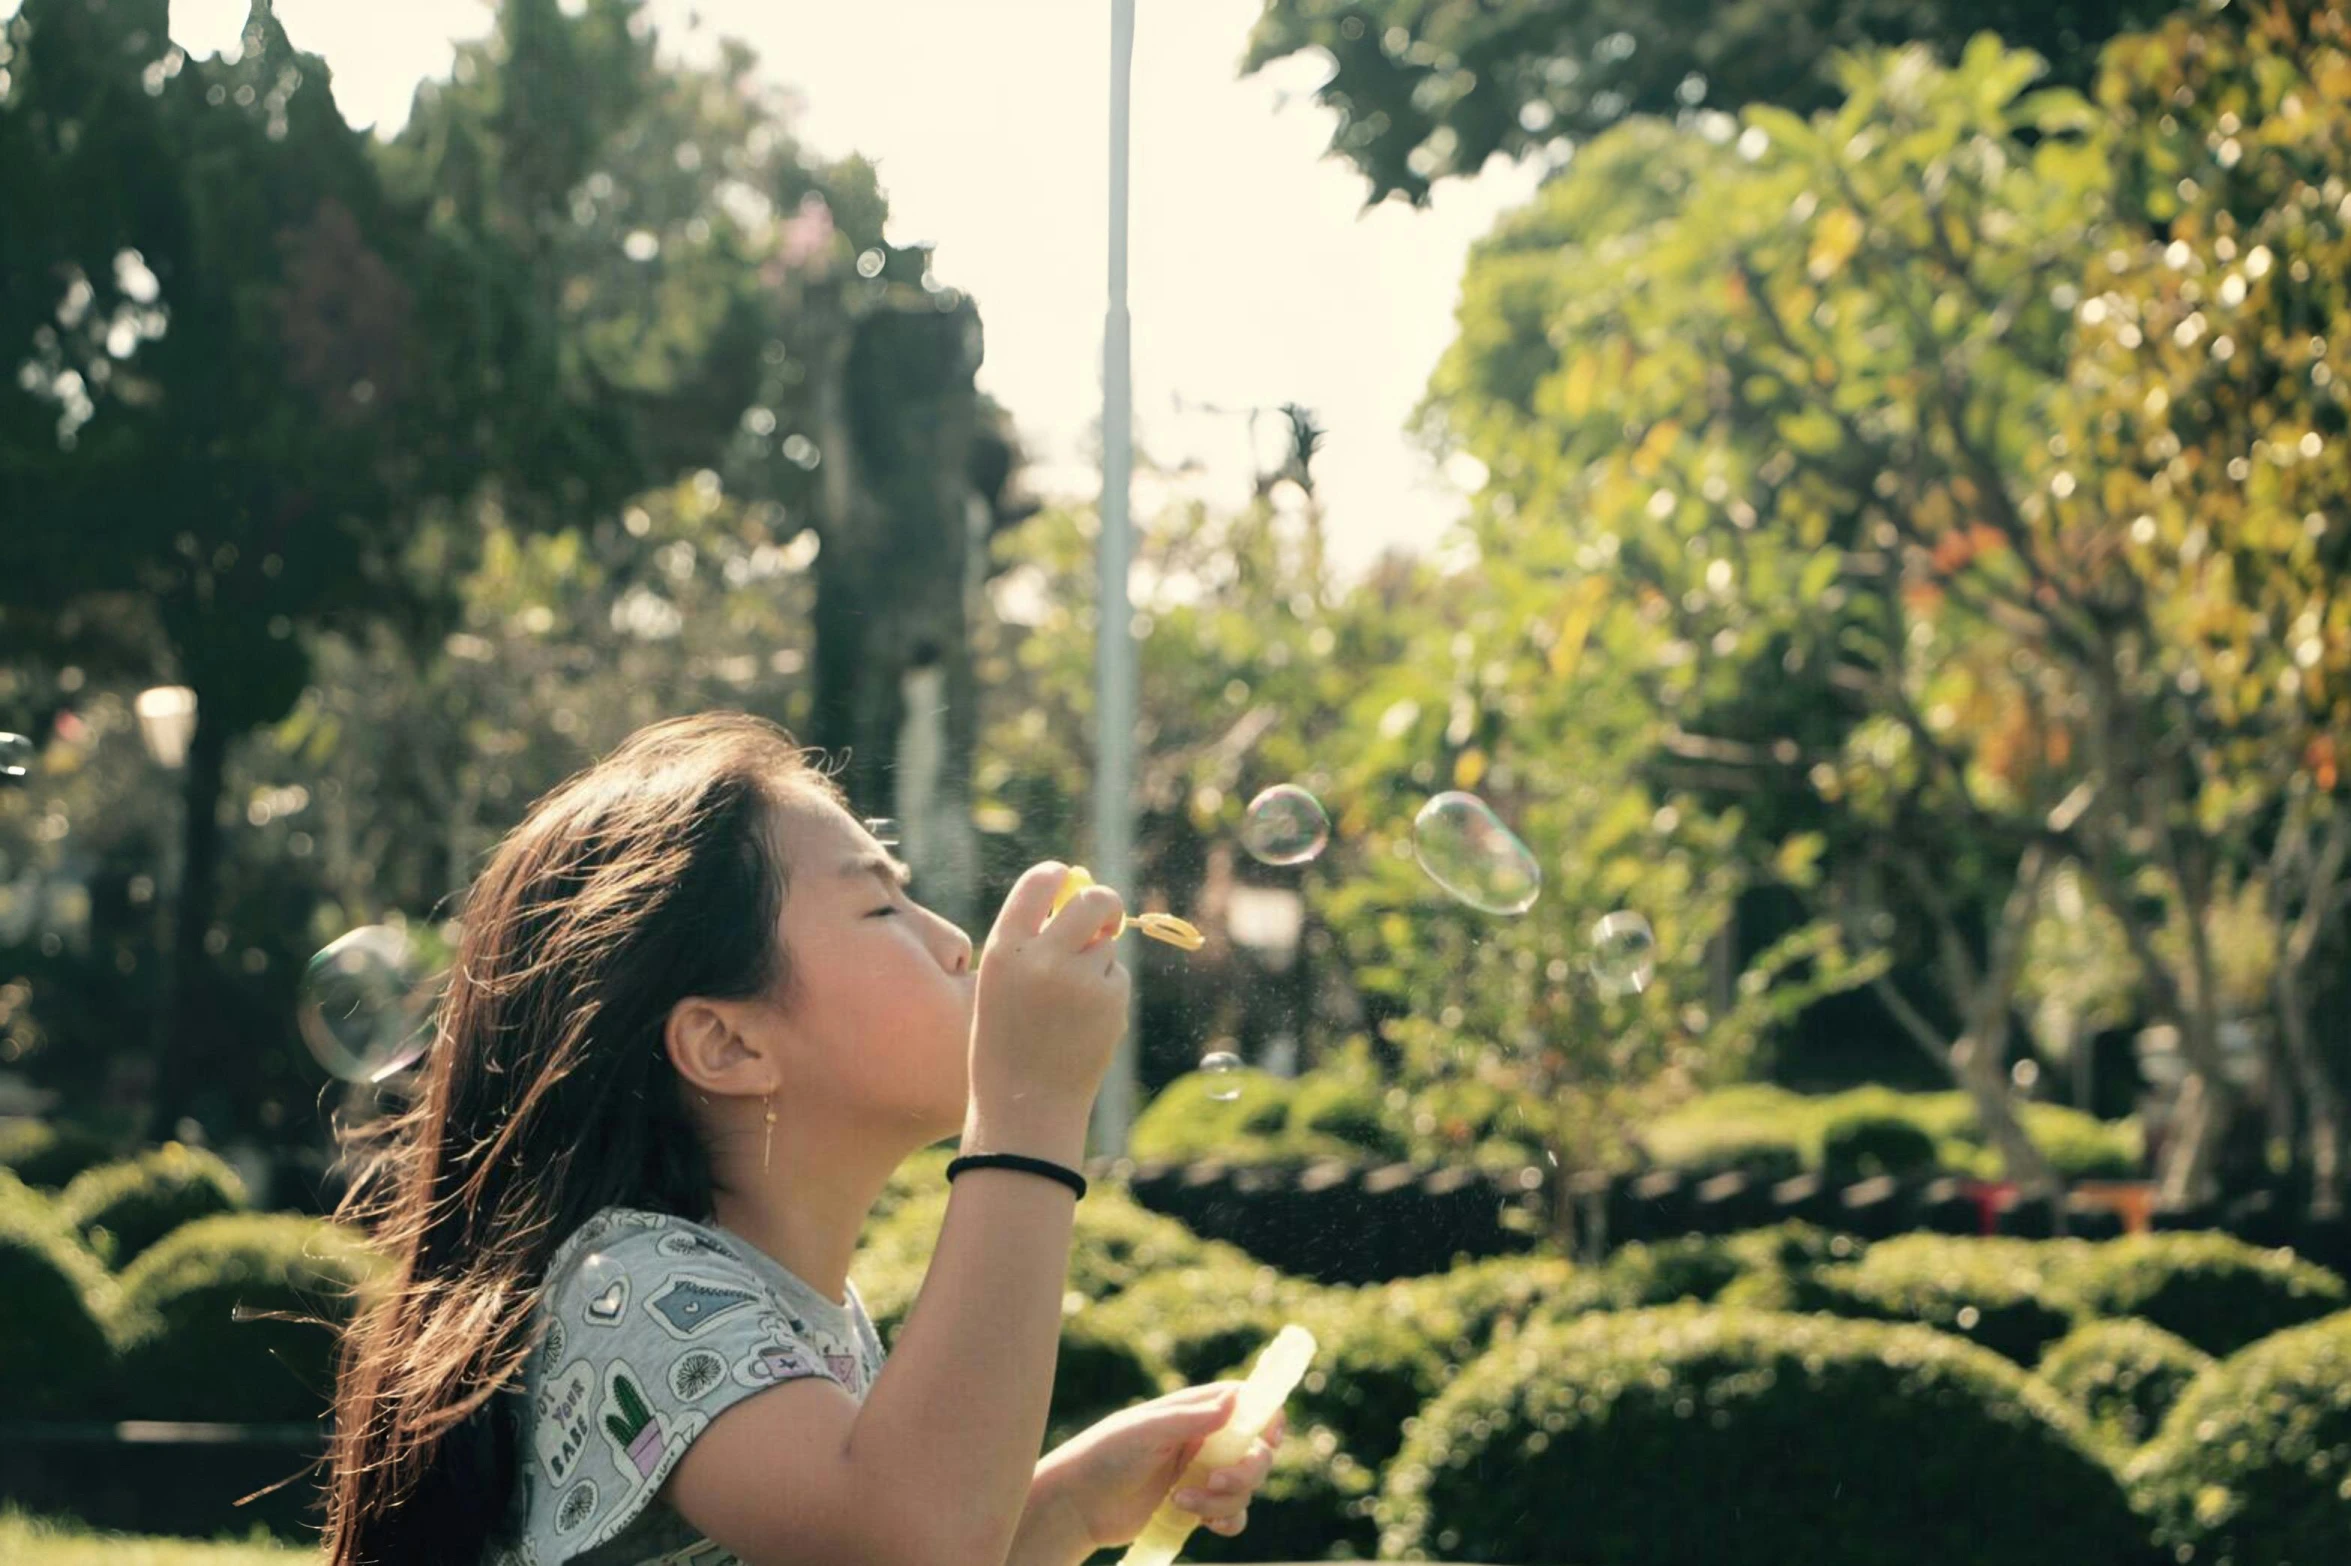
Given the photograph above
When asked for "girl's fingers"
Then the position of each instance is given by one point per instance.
(1228, 1526)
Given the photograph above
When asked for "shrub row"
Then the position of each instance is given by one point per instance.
(230, 1317)
(1773, 1134)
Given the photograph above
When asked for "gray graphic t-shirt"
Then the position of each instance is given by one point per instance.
(650, 1326)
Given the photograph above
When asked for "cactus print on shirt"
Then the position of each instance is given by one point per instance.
(648, 1327)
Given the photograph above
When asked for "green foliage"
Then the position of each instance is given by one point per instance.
(1204, 1319)
(1186, 1120)
(1422, 92)
(1374, 1368)
(2124, 1376)
(1315, 1505)
(1097, 1372)
(33, 1541)
(1348, 1110)
(55, 1359)
(202, 1324)
(1770, 1131)
(1116, 1244)
(121, 1209)
(2213, 1290)
(1832, 1442)
(1994, 1292)
(2254, 1462)
(1859, 1146)
(1466, 1309)
(50, 1153)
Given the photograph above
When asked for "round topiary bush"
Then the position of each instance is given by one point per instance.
(47, 1154)
(196, 1318)
(1657, 1438)
(1374, 1368)
(2124, 1376)
(123, 1208)
(55, 1360)
(1099, 1371)
(1692, 1268)
(1202, 1320)
(1862, 1145)
(1462, 1311)
(1315, 1505)
(2213, 1290)
(1348, 1109)
(1188, 1119)
(1992, 1292)
(2253, 1464)
(1116, 1242)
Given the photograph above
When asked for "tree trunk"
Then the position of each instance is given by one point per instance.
(896, 696)
(181, 1035)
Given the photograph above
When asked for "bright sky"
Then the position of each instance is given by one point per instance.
(1256, 277)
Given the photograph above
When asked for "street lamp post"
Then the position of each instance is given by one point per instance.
(1114, 662)
(167, 725)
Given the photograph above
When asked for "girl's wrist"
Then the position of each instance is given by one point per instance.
(1056, 1138)
(1051, 1533)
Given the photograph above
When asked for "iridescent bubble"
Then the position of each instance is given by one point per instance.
(1223, 1070)
(1285, 825)
(1467, 850)
(1624, 953)
(16, 758)
(361, 1009)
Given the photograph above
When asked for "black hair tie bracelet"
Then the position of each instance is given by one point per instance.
(1036, 1166)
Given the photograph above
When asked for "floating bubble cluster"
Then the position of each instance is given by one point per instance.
(16, 758)
(1285, 825)
(1467, 850)
(362, 1011)
(1624, 953)
(1223, 1070)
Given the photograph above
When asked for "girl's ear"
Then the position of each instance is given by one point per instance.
(708, 1049)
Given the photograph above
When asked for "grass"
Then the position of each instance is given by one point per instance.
(35, 1541)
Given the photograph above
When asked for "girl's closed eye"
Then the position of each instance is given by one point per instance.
(880, 913)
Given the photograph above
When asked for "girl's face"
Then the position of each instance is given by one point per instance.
(881, 1005)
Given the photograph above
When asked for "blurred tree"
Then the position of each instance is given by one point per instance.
(1751, 412)
(210, 438)
(1424, 89)
(2210, 409)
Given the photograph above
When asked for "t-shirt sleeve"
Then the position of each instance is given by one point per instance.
(649, 1333)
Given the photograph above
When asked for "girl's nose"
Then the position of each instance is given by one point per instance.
(958, 948)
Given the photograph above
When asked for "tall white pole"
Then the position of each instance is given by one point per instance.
(1114, 655)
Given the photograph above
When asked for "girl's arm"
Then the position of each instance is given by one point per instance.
(935, 1468)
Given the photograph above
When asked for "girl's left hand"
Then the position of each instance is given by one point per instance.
(1109, 1478)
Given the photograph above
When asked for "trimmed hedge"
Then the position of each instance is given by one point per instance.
(1992, 1292)
(1464, 1310)
(55, 1359)
(1116, 1243)
(1862, 1145)
(1099, 1371)
(123, 1208)
(1374, 1369)
(1737, 1438)
(1772, 1133)
(2218, 1293)
(2253, 1465)
(1315, 1505)
(47, 1154)
(2124, 1376)
(192, 1344)
(1204, 1319)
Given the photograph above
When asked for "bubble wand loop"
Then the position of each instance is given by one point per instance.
(1271, 1380)
(1160, 927)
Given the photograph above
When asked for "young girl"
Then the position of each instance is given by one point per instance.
(694, 1024)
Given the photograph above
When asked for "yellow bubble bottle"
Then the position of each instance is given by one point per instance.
(1160, 927)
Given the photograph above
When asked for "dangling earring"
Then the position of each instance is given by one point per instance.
(767, 1145)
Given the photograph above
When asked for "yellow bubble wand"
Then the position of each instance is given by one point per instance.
(1159, 926)
(1271, 1380)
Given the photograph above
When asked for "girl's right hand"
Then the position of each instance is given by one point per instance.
(1051, 1005)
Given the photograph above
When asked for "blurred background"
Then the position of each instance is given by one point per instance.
(1779, 562)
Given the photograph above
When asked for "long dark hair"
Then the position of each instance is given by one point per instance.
(653, 876)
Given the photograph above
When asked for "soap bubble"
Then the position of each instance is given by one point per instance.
(1285, 825)
(16, 758)
(1467, 850)
(1223, 1070)
(361, 1010)
(1624, 953)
